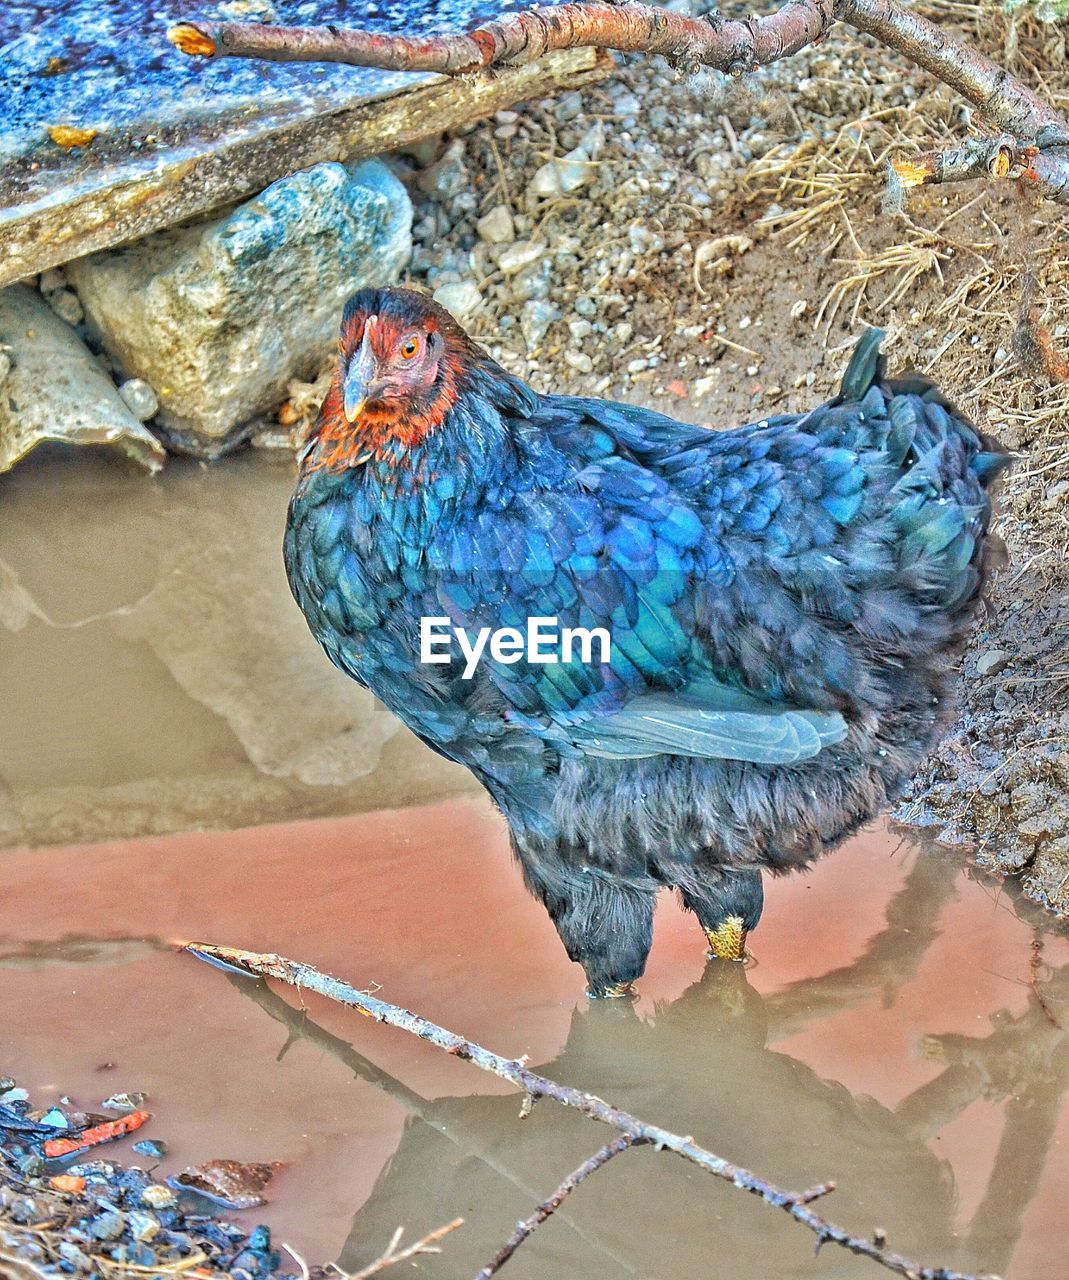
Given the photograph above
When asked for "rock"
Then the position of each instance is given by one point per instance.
(448, 176)
(228, 1182)
(139, 398)
(109, 1225)
(130, 1101)
(69, 1183)
(157, 1197)
(535, 319)
(579, 361)
(143, 1226)
(71, 1254)
(151, 1147)
(66, 305)
(993, 661)
(55, 390)
(219, 317)
(52, 280)
(567, 173)
(520, 255)
(462, 299)
(497, 227)
(5, 366)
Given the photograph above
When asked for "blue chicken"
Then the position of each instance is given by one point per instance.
(744, 641)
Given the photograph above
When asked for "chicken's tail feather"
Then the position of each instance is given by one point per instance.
(866, 367)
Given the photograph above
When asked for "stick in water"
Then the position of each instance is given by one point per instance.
(305, 978)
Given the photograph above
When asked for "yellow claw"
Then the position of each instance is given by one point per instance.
(617, 991)
(728, 940)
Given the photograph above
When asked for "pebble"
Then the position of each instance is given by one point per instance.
(580, 329)
(66, 305)
(151, 1147)
(109, 1225)
(520, 255)
(5, 367)
(158, 1197)
(993, 661)
(124, 1102)
(569, 106)
(140, 399)
(535, 319)
(497, 227)
(579, 361)
(448, 176)
(70, 1253)
(52, 280)
(143, 1226)
(462, 299)
(586, 307)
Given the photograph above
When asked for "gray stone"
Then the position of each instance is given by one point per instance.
(448, 176)
(140, 399)
(66, 305)
(56, 390)
(462, 299)
(496, 227)
(567, 173)
(219, 317)
(520, 255)
(535, 319)
(993, 661)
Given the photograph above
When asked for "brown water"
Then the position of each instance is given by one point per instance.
(896, 1033)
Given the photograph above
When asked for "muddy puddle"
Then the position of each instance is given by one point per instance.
(900, 1031)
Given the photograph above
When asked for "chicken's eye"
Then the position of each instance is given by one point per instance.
(409, 348)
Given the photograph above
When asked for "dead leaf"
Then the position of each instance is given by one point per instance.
(69, 136)
(228, 1182)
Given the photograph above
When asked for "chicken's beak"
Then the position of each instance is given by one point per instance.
(360, 384)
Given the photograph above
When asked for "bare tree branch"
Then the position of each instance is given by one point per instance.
(795, 1203)
(730, 45)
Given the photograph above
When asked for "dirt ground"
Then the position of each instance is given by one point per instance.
(721, 247)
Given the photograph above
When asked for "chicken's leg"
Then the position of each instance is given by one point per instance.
(727, 907)
(606, 924)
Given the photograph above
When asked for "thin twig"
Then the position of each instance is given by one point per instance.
(795, 1203)
(553, 1203)
(393, 1255)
